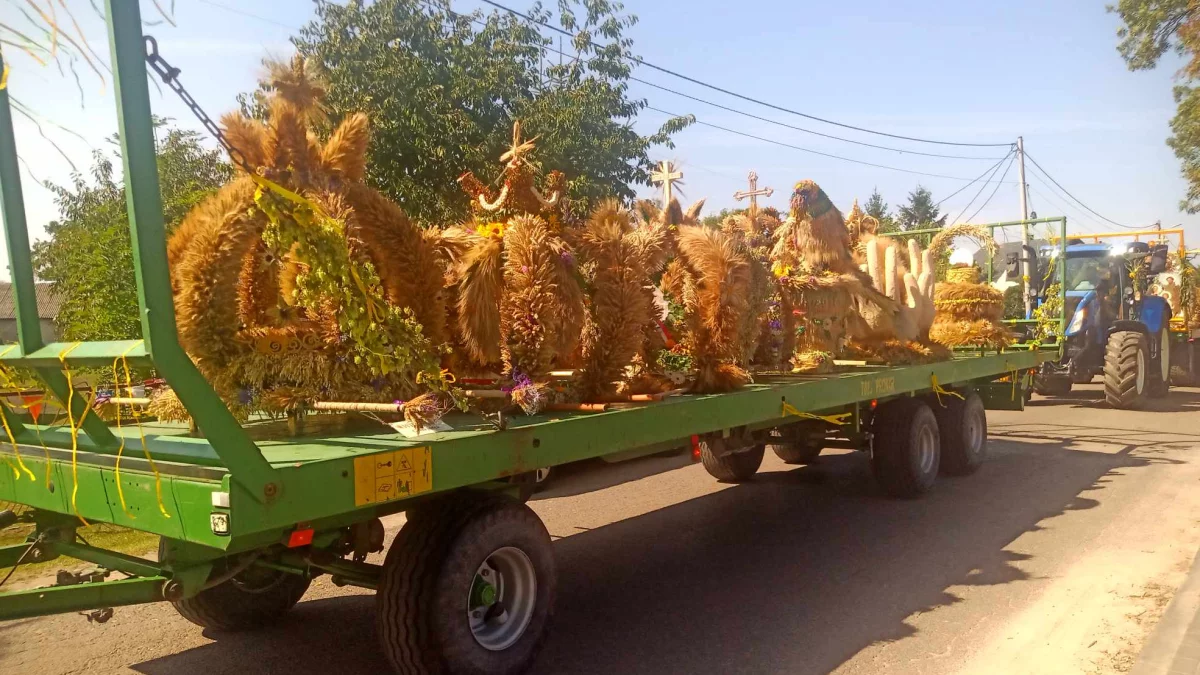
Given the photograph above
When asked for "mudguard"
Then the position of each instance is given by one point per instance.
(1155, 313)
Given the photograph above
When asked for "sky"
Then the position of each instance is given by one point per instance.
(974, 72)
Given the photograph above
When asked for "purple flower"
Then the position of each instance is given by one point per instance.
(568, 258)
(775, 324)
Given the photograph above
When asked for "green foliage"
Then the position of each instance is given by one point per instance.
(1151, 28)
(878, 209)
(1014, 302)
(442, 91)
(715, 219)
(385, 338)
(88, 257)
(920, 213)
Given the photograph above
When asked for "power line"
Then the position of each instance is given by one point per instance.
(982, 187)
(1068, 206)
(1066, 192)
(991, 169)
(737, 95)
(244, 13)
(808, 150)
(807, 131)
(742, 112)
(994, 190)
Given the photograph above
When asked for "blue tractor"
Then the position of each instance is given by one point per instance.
(1116, 328)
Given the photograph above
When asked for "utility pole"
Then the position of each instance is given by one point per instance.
(1026, 240)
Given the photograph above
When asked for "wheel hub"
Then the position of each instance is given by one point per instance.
(926, 449)
(501, 601)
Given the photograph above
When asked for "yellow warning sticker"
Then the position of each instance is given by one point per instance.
(392, 475)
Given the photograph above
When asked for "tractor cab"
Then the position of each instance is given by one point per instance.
(1114, 323)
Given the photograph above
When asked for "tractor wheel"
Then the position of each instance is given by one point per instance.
(253, 598)
(1125, 370)
(468, 589)
(905, 452)
(962, 429)
(730, 465)
(1159, 381)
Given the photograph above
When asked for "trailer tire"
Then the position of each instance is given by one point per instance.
(730, 467)
(962, 430)
(252, 599)
(905, 451)
(1126, 363)
(797, 452)
(1058, 385)
(430, 578)
(1181, 377)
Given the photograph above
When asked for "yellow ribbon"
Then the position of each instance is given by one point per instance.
(939, 391)
(16, 472)
(444, 376)
(75, 426)
(137, 417)
(838, 419)
(4, 77)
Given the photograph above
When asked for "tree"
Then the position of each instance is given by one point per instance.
(442, 90)
(1151, 28)
(878, 209)
(920, 212)
(88, 257)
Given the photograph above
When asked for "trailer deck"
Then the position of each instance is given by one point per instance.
(248, 518)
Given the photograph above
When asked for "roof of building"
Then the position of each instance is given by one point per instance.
(48, 301)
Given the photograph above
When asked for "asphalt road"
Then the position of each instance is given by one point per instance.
(1057, 557)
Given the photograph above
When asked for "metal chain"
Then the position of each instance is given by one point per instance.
(170, 77)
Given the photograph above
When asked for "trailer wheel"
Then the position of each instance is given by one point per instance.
(251, 599)
(730, 467)
(905, 451)
(1181, 377)
(797, 452)
(799, 443)
(1125, 366)
(962, 430)
(1059, 385)
(468, 588)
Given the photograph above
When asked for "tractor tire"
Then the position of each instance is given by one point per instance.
(468, 589)
(1125, 370)
(797, 452)
(962, 429)
(730, 467)
(252, 599)
(905, 452)
(1158, 384)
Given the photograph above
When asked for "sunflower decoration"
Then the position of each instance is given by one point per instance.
(519, 303)
(298, 277)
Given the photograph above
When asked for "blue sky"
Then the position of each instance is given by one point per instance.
(966, 71)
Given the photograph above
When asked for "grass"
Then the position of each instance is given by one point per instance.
(100, 535)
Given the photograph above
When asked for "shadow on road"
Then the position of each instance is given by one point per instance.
(1178, 399)
(793, 572)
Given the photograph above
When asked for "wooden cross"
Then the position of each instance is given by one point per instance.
(667, 175)
(753, 194)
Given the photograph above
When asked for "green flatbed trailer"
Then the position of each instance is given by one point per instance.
(468, 583)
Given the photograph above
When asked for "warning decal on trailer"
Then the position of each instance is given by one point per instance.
(392, 475)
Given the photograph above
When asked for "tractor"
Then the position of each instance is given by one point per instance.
(1117, 329)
